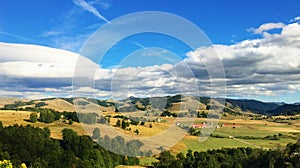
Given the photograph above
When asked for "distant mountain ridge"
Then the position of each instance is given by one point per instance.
(254, 106)
(287, 109)
(174, 103)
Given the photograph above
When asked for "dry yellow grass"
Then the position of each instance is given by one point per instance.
(11, 117)
(59, 105)
(7, 100)
(144, 131)
(187, 104)
(178, 147)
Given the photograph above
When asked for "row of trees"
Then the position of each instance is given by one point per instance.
(119, 145)
(233, 157)
(34, 147)
(50, 115)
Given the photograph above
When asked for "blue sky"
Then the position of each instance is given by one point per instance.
(230, 25)
(223, 21)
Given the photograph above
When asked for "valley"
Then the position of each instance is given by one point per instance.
(236, 128)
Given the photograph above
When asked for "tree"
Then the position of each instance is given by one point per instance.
(33, 117)
(118, 124)
(40, 104)
(137, 132)
(96, 133)
(272, 163)
(88, 118)
(47, 116)
(108, 120)
(70, 140)
(149, 153)
(46, 132)
(165, 159)
(106, 142)
(124, 124)
(1, 125)
(102, 120)
(133, 147)
(150, 126)
(194, 132)
(33, 146)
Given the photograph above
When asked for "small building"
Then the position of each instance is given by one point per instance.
(199, 125)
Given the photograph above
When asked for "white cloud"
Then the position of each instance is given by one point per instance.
(51, 33)
(266, 27)
(296, 19)
(20, 60)
(104, 4)
(70, 43)
(88, 7)
(260, 66)
(267, 66)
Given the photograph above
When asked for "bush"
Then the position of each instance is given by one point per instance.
(194, 132)
(102, 120)
(40, 104)
(96, 133)
(33, 117)
(47, 116)
(134, 122)
(87, 118)
(1, 125)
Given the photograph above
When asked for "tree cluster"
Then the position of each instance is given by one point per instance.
(119, 145)
(34, 147)
(233, 157)
(50, 115)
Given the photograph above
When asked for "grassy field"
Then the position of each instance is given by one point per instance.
(253, 128)
(11, 117)
(147, 161)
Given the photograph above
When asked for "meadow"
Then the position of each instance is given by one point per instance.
(232, 133)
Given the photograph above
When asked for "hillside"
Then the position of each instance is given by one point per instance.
(253, 105)
(173, 104)
(8, 100)
(287, 109)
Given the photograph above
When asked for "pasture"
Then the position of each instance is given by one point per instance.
(259, 129)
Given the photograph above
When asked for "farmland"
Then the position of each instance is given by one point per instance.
(234, 129)
(256, 129)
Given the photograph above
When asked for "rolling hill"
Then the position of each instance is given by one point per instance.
(287, 109)
(176, 104)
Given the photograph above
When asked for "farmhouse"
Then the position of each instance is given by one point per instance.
(199, 125)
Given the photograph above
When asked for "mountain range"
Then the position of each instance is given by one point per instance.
(176, 103)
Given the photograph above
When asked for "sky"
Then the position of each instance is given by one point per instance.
(43, 43)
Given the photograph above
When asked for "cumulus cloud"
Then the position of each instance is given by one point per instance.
(267, 26)
(267, 66)
(296, 19)
(261, 66)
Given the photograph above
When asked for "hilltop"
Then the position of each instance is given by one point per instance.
(174, 104)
